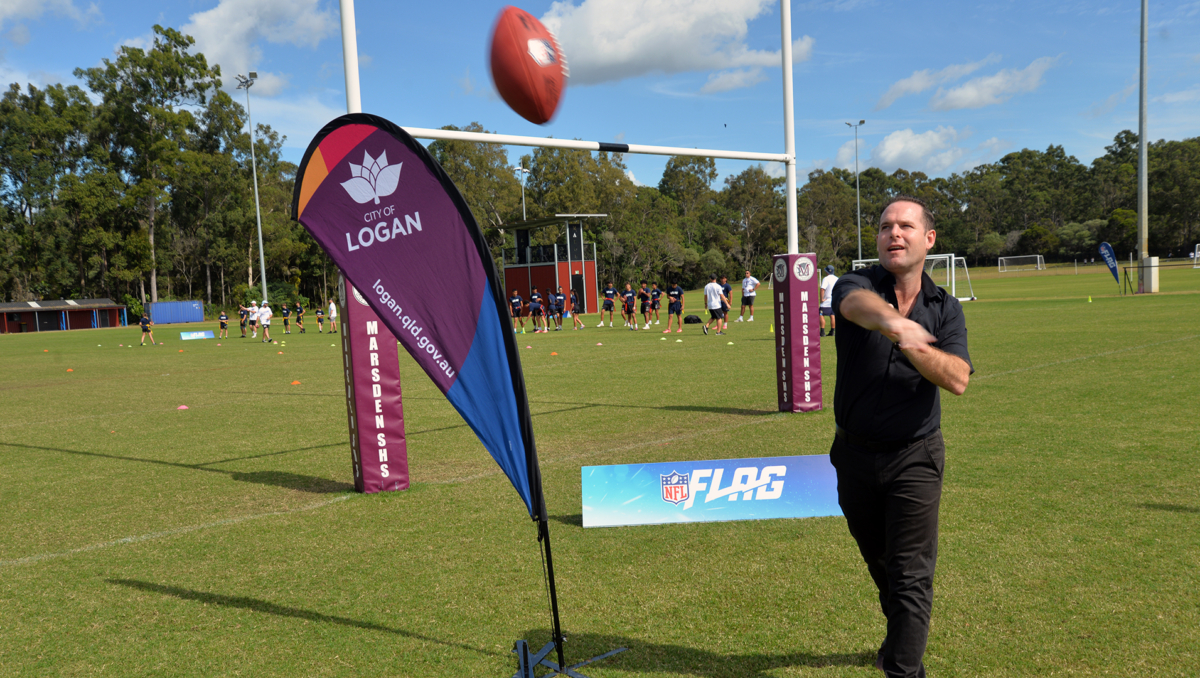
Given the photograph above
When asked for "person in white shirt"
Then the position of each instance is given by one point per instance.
(714, 296)
(332, 317)
(749, 285)
(253, 319)
(827, 284)
(264, 319)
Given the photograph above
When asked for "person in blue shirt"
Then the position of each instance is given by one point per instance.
(299, 317)
(536, 311)
(147, 324)
(674, 307)
(224, 319)
(629, 307)
(560, 305)
(610, 296)
(655, 293)
(283, 311)
(576, 312)
(643, 295)
(516, 304)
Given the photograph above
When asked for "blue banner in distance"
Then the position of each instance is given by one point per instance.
(705, 491)
(1110, 258)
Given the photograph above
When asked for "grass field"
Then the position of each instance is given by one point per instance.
(225, 539)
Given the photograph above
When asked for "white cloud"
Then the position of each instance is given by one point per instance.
(993, 89)
(933, 151)
(727, 80)
(229, 34)
(920, 81)
(32, 9)
(629, 175)
(777, 170)
(611, 40)
(1183, 96)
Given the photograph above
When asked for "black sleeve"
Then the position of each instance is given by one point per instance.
(845, 285)
(952, 335)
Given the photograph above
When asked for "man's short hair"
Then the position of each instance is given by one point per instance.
(712, 276)
(926, 215)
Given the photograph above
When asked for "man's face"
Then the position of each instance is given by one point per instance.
(903, 241)
(747, 274)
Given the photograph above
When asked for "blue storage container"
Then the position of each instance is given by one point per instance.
(167, 312)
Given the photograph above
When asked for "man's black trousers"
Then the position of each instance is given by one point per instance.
(890, 500)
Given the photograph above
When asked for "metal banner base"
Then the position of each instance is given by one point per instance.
(526, 662)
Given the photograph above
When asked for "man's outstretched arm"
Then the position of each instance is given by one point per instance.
(870, 312)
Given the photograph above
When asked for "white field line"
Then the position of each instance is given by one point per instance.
(1086, 357)
(166, 533)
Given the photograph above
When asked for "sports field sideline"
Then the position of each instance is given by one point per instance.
(225, 539)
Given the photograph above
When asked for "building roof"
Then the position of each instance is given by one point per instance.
(59, 305)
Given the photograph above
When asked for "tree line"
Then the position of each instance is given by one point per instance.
(140, 189)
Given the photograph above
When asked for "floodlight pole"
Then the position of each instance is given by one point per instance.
(246, 83)
(789, 128)
(1143, 232)
(857, 193)
(524, 174)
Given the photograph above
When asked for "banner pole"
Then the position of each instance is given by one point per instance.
(544, 535)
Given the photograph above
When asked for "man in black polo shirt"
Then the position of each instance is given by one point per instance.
(902, 338)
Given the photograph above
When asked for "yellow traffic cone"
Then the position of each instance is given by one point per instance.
(772, 328)
(1089, 298)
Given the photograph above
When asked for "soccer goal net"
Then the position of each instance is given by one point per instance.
(1029, 262)
(946, 270)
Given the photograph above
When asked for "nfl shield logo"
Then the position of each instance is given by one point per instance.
(674, 487)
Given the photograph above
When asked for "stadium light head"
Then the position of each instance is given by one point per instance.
(245, 82)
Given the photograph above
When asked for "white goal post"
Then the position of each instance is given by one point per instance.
(1028, 262)
(944, 269)
(1196, 257)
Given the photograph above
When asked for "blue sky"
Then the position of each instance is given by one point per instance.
(943, 86)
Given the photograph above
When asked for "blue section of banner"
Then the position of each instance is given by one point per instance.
(703, 491)
(188, 336)
(483, 395)
(1110, 258)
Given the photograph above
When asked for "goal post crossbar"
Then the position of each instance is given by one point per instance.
(576, 144)
(952, 263)
(1023, 262)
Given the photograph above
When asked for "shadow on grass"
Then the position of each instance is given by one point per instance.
(1173, 508)
(669, 408)
(575, 519)
(655, 658)
(288, 481)
(256, 605)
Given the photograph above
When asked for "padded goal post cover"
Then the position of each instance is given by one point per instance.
(397, 227)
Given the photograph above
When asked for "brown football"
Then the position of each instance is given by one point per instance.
(528, 67)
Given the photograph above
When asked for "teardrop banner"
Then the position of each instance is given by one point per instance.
(401, 233)
(397, 227)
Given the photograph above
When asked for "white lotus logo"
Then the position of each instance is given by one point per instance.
(373, 179)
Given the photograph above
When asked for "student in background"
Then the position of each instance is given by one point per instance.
(674, 307)
(576, 312)
(332, 317)
(655, 293)
(264, 319)
(610, 299)
(515, 305)
(749, 287)
(536, 311)
(300, 317)
(224, 320)
(643, 296)
(285, 314)
(147, 323)
(253, 319)
(320, 320)
(629, 306)
(243, 316)
(560, 306)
